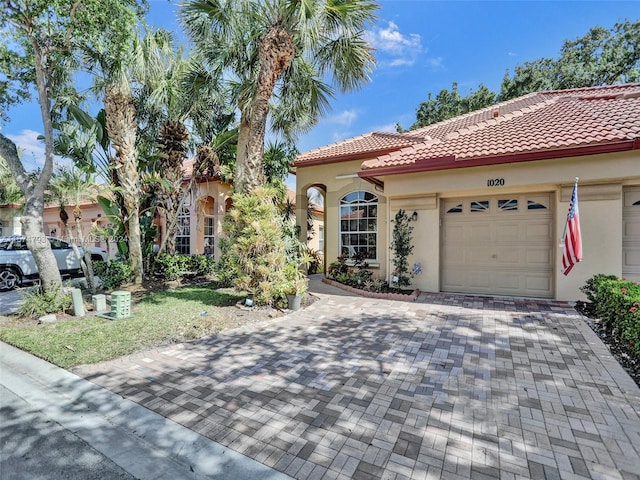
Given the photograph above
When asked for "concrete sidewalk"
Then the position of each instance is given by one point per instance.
(112, 437)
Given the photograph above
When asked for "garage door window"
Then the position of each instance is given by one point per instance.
(531, 205)
(359, 224)
(479, 206)
(508, 204)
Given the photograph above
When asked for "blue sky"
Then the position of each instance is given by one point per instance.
(421, 46)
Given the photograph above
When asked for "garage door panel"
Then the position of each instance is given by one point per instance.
(480, 232)
(632, 228)
(631, 234)
(502, 251)
(632, 257)
(479, 279)
(539, 256)
(538, 283)
(509, 283)
(505, 232)
(509, 256)
(539, 230)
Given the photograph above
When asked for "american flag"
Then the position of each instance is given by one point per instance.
(572, 251)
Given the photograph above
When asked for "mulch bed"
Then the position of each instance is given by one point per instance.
(619, 349)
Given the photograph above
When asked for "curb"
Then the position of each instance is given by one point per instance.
(384, 296)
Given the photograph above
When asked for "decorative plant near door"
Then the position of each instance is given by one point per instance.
(402, 247)
(259, 253)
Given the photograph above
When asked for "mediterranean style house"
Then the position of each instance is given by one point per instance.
(488, 193)
(199, 223)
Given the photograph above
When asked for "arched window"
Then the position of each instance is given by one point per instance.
(359, 224)
(183, 231)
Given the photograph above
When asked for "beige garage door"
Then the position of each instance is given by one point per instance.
(631, 234)
(500, 245)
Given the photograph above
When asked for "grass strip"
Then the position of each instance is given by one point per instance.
(159, 319)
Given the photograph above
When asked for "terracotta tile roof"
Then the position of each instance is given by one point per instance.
(530, 125)
(361, 147)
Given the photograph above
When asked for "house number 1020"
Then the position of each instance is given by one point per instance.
(495, 182)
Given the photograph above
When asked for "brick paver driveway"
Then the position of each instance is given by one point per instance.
(447, 387)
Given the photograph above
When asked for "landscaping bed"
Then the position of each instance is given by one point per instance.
(620, 349)
(161, 316)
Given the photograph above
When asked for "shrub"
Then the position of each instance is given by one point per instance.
(351, 271)
(39, 302)
(175, 267)
(402, 248)
(257, 245)
(113, 273)
(616, 303)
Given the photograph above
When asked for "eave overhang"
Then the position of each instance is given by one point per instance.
(450, 162)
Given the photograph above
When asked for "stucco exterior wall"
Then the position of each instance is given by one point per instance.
(10, 219)
(602, 178)
(335, 181)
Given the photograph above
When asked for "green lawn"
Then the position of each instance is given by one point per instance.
(159, 319)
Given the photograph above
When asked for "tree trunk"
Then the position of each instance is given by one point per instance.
(122, 128)
(85, 261)
(173, 137)
(276, 52)
(32, 225)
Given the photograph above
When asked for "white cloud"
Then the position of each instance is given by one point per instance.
(31, 150)
(338, 136)
(346, 118)
(388, 127)
(393, 47)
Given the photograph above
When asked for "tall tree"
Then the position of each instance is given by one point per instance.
(165, 108)
(280, 51)
(601, 57)
(449, 104)
(70, 186)
(41, 38)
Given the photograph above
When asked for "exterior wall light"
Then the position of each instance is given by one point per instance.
(414, 216)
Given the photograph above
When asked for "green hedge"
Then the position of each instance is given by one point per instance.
(616, 302)
(174, 267)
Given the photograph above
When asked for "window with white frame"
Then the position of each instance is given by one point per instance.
(183, 231)
(209, 235)
(359, 224)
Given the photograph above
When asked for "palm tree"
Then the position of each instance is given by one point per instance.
(164, 109)
(70, 185)
(121, 73)
(280, 51)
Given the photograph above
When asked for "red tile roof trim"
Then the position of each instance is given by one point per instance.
(450, 162)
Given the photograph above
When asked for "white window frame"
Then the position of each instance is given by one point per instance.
(367, 202)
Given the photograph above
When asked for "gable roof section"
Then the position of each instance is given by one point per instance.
(542, 125)
(365, 146)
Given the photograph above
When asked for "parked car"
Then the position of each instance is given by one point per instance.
(17, 264)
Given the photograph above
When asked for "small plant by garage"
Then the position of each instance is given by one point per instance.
(402, 248)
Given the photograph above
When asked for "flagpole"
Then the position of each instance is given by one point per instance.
(566, 224)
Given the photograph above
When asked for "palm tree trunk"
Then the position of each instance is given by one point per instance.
(85, 262)
(173, 137)
(276, 53)
(122, 127)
